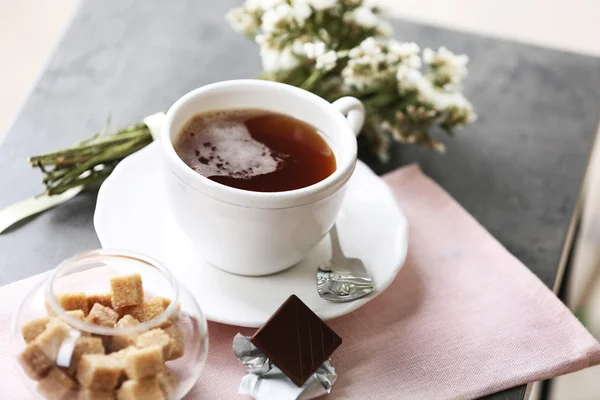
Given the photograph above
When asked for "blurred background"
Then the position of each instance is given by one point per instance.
(29, 30)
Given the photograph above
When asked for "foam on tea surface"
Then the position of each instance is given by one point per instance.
(226, 148)
(255, 150)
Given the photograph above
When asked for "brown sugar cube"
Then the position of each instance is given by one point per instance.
(74, 301)
(53, 337)
(145, 389)
(166, 381)
(126, 291)
(34, 361)
(87, 394)
(33, 328)
(57, 385)
(147, 310)
(101, 298)
(40, 354)
(84, 345)
(99, 372)
(101, 315)
(117, 343)
(144, 363)
(127, 320)
(75, 314)
(156, 337)
(79, 314)
(121, 354)
(178, 341)
(150, 310)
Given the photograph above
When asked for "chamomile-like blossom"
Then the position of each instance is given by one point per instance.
(448, 69)
(459, 111)
(278, 18)
(368, 47)
(383, 29)
(452, 107)
(312, 50)
(362, 16)
(327, 61)
(260, 39)
(241, 20)
(378, 60)
(366, 65)
(274, 60)
(410, 79)
(406, 53)
(252, 5)
(302, 11)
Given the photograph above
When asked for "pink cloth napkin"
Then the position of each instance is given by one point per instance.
(464, 318)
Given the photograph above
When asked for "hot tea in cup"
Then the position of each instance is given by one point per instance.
(255, 150)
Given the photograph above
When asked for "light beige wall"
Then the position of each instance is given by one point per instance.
(29, 30)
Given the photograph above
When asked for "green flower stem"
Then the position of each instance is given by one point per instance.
(312, 80)
(54, 175)
(91, 147)
(116, 152)
(94, 178)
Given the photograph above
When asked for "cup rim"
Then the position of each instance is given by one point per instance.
(263, 200)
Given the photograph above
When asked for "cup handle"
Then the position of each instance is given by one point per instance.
(354, 111)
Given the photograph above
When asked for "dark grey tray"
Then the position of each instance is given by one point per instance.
(517, 170)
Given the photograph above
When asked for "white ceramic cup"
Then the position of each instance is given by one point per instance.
(259, 233)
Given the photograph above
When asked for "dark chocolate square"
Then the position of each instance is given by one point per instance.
(296, 340)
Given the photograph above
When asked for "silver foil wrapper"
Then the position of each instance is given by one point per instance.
(264, 381)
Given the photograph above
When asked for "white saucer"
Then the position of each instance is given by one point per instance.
(132, 214)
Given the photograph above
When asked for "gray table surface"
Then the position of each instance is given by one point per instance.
(517, 170)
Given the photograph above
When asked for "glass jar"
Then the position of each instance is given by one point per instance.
(97, 351)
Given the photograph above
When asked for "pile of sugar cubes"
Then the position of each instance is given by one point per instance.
(72, 364)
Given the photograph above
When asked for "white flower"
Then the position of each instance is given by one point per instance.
(362, 16)
(274, 60)
(327, 61)
(428, 56)
(450, 69)
(260, 39)
(313, 50)
(241, 20)
(405, 52)
(368, 47)
(383, 28)
(370, 63)
(453, 106)
(445, 57)
(411, 80)
(460, 110)
(309, 50)
(253, 5)
(322, 4)
(302, 11)
(277, 18)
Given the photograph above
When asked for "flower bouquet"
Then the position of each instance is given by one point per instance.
(333, 48)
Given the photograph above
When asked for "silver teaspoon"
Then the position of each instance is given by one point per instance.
(342, 279)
